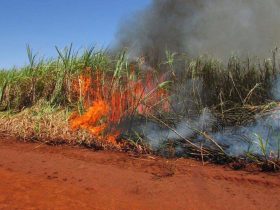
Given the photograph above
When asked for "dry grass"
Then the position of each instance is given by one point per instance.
(48, 125)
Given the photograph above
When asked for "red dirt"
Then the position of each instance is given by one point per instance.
(34, 176)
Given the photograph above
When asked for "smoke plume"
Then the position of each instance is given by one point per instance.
(219, 28)
(216, 27)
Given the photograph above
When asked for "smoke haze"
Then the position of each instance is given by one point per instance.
(216, 27)
(237, 141)
(220, 28)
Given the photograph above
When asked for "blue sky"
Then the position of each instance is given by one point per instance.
(47, 23)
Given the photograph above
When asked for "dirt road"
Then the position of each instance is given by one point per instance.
(34, 176)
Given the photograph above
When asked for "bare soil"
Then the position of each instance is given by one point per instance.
(36, 176)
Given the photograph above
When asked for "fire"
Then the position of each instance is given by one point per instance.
(108, 101)
(91, 118)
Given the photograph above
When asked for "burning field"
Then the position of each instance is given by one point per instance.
(171, 86)
(192, 81)
(207, 110)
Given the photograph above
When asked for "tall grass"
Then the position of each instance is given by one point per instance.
(239, 82)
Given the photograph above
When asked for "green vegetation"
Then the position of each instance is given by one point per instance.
(225, 86)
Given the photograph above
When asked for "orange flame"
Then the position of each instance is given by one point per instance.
(108, 101)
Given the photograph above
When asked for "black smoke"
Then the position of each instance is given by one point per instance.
(216, 27)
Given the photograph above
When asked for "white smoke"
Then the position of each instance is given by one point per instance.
(157, 135)
(240, 140)
(236, 141)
